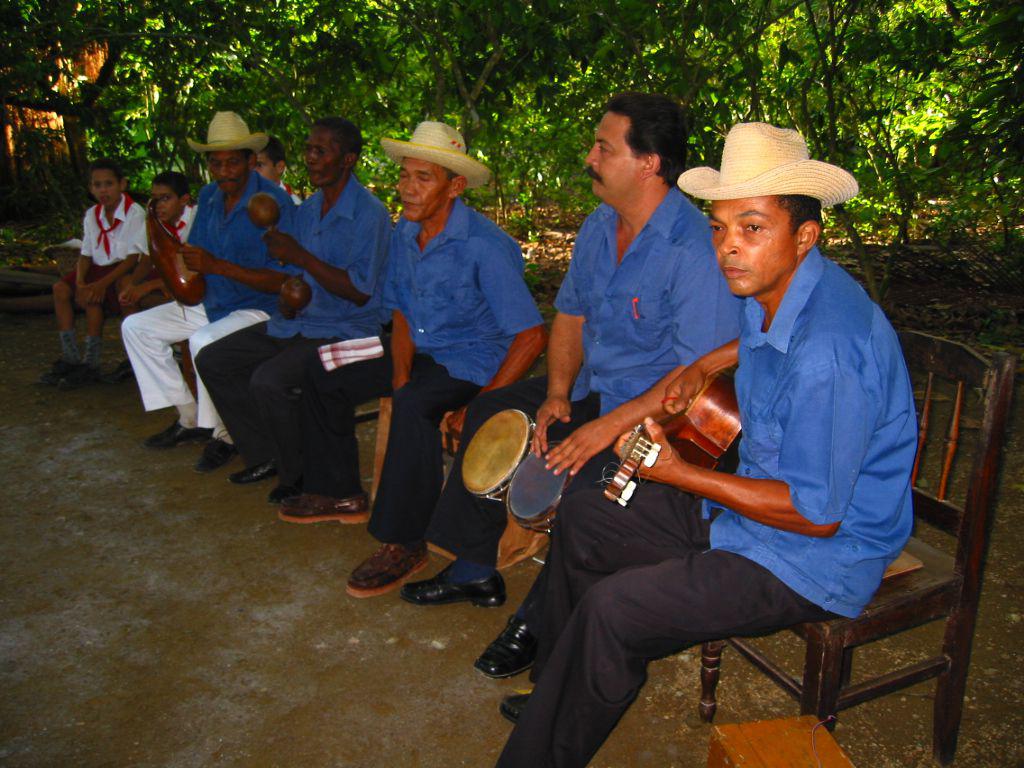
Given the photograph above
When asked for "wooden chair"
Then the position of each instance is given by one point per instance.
(943, 587)
(516, 544)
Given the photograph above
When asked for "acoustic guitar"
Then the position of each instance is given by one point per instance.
(183, 284)
(700, 435)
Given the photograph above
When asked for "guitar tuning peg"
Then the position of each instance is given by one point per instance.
(652, 455)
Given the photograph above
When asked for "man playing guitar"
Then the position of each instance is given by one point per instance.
(819, 505)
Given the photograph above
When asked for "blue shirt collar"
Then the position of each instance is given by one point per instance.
(781, 331)
(344, 206)
(456, 228)
(662, 220)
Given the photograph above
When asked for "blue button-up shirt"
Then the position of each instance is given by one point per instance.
(233, 237)
(352, 235)
(463, 296)
(827, 408)
(664, 305)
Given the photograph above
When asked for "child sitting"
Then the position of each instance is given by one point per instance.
(170, 197)
(271, 165)
(114, 236)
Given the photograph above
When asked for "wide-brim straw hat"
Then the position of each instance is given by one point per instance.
(441, 144)
(760, 159)
(228, 131)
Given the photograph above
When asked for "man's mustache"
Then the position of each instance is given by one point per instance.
(592, 173)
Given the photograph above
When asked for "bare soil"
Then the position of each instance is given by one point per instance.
(150, 616)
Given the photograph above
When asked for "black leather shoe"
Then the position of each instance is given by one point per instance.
(216, 453)
(512, 706)
(487, 593)
(176, 435)
(253, 474)
(282, 492)
(509, 653)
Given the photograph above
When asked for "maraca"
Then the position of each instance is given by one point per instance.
(263, 210)
(295, 294)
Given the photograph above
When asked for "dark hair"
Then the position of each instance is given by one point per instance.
(343, 131)
(176, 181)
(274, 150)
(657, 127)
(106, 164)
(801, 208)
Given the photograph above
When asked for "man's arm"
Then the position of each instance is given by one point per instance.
(402, 350)
(762, 500)
(524, 350)
(200, 260)
(565, 356)
(679, 385)
(285, 248)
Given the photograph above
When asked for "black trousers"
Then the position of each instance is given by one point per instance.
(471, 527)
(626, 586)
(413, 470)
(249, 375)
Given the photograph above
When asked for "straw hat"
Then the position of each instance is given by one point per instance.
(760, 159)
(228, 131)
(441, 144)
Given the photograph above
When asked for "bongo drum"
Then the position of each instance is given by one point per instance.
(494, 453)
(534, 493)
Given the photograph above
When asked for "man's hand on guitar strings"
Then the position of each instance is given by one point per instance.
(681, 391)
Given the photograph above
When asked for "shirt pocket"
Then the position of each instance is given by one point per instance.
(762, 443)
(648, 320)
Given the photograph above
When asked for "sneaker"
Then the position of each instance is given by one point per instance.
(176, 435)
(58, 371)
(387, 569)
(216, 453)
(122, 372)
(80, 376)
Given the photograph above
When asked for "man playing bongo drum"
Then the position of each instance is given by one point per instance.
(642, 297)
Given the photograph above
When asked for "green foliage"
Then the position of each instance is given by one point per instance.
(923, 100)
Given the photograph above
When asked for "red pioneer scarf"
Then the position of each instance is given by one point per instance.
(104, 236)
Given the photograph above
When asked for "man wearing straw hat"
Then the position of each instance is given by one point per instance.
(463, 321)
(341, 244)
(819, 505)
(642, 297)
(241, 289)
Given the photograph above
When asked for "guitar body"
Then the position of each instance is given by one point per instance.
(184, 285)
(700, 435)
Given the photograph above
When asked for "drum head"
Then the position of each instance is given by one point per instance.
(494, 452)
(534, 490)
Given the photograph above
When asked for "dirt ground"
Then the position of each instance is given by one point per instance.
(150, 616)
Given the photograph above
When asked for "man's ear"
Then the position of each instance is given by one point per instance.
(651, 165)
(457, 187)
(807, 235)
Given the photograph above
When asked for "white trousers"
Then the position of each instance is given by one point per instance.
(148, 337)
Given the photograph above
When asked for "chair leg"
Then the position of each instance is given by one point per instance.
(710, 664)
(823, 676)
(950, 687)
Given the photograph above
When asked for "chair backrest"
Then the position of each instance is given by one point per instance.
(964, 404)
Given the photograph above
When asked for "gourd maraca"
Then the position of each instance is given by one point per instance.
(295, 293)
(263, 210)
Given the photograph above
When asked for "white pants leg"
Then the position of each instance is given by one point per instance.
(148, 337)
(236, 321)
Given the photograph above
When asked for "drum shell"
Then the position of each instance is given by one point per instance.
(549, 494)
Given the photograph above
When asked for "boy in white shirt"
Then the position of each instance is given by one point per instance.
(170, 196)
(114, 235)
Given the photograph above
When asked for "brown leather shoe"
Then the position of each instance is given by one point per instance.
(387, 569)
(314, 508)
